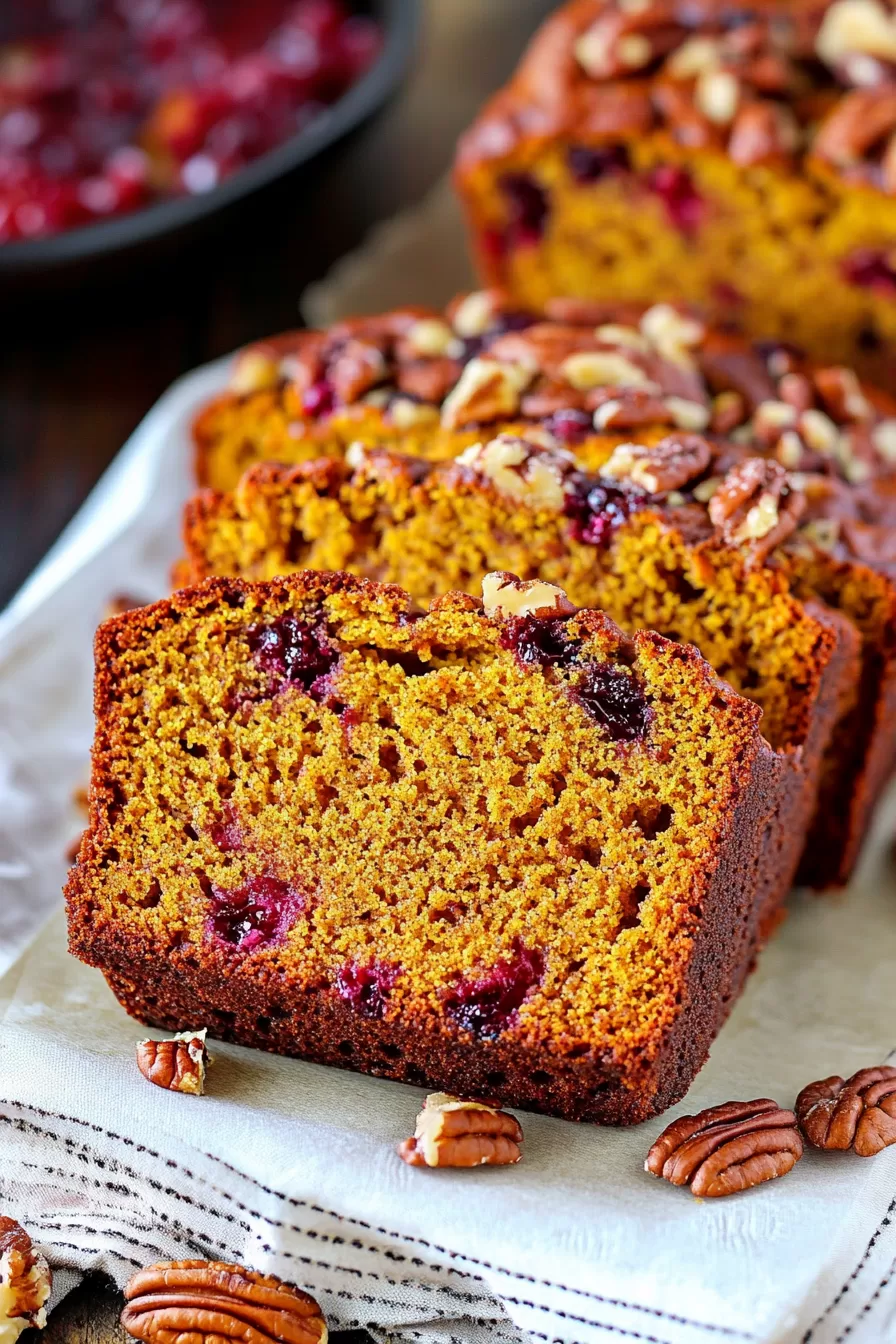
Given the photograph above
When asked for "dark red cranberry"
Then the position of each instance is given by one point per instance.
(684, 204)
(598, 508)
(589, 165)
(493, 243)
(614, 699)
(488, 1005)
(870, 268)
(538, 643)
(527, 203)
(569, 426)
(295, 653)
(366, 986)
(512, 319)
(257, 914)
(318, 399)
(227, 835)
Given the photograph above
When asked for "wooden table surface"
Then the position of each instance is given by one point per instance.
(84, 356)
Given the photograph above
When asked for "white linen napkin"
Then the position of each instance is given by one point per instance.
(290, 1167)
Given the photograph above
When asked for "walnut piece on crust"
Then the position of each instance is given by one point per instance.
(25, 1283)
(506, 595)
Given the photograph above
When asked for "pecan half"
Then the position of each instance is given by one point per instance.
(455, 1133)
(756, 507)
(670, 464)
(177, 1065)
(25, 1282)
(486, 390)
(622, 41)
(627, 408)
(205, 1299)
(727, 1148)
(857, 1113)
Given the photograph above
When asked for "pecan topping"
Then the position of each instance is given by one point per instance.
(668, 465)
(205, 1299)
(628, 408)
(25, 1282)
(762, 131)
(727, 1148)
(504, 594)
(357, 367)
(842, 395)
(756, 507)
(859, 122)
(858, 1113)
(622, 41)
(177, 1065)
(455, 1133)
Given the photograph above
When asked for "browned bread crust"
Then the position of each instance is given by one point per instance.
(213, 883)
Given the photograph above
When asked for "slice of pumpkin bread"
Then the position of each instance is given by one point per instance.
(648, 560)
(496, 848)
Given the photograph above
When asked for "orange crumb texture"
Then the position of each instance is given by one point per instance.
(521, 848)
(670, 150)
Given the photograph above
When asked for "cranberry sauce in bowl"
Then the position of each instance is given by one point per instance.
(177, 105)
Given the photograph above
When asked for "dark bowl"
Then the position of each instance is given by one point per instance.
(184, 214)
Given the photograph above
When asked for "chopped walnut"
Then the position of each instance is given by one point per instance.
(883, 440)
(671, 334)
(504, 594)
(717, 95)
(587, 369)
(521, 469)
(431, 337)
(25, 1282)
(756, 507)
(615, 334)
(177, 1065)
(254, 371)
(473, 314)
(668, 465)
(856, 27)
(407, 414)
(690, 415)
(486, 390)
(455, 1133)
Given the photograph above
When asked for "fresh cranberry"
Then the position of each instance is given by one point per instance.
(684, 204)
(366, 986)
(569, 426)
(614, 699)
(361, 40)
(870, 268)
(538, 643)
(528, 207)
(259, 913)
(487, 1006)
(589, 165)
(295, 653)
(598, 508)
(318, 399)
(321, 18)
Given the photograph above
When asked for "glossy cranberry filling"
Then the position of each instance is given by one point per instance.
(527, 205)
(488, 1005)
(539, 643)
(870, 268)
(366, 986)
(614, 699)
(597, 508)
(295, 653)
(569, 426)
(257, 914)
(684, 204)
(589, 165)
